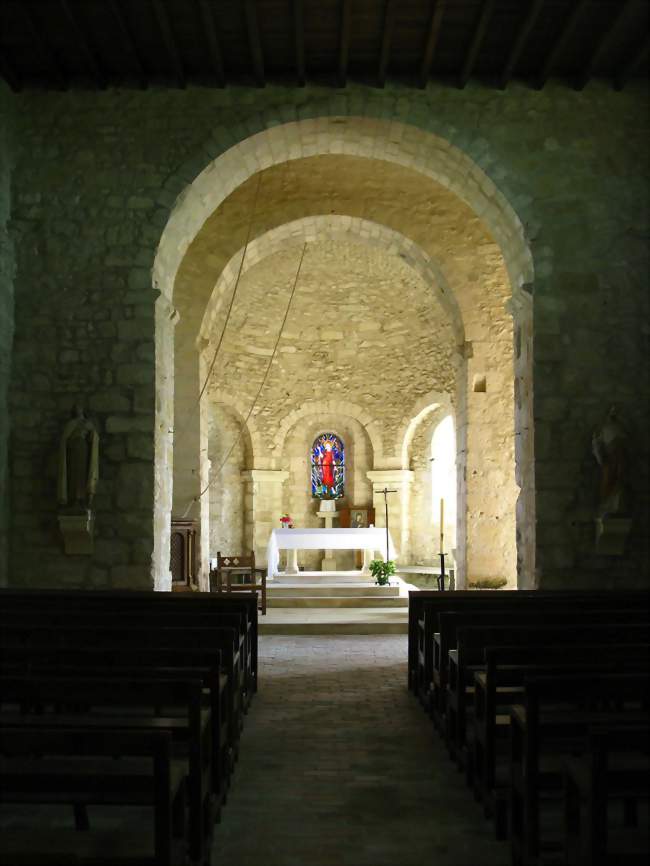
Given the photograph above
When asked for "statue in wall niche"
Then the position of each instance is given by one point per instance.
(610, 448)
(78, 463)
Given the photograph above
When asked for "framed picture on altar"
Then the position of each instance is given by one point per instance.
(358, 516)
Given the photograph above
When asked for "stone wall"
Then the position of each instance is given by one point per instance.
(227, 454)
(95, 180)
(6, 311)
(362, 326)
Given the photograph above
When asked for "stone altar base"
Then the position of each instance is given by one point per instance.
(334, 603)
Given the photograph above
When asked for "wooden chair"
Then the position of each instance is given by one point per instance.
(251, 578)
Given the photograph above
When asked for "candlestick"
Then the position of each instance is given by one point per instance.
(442, 525)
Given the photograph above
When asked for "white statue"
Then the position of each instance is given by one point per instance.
(610, 448)
(78, 462)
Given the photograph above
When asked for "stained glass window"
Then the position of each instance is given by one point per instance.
(327, 467)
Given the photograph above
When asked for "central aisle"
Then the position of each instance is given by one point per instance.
(340, 767)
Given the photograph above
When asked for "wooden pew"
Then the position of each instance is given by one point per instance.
(614, 769)
(41, 765)
(41, 638)
(424, 607)
(553, 722)
(139, 703)
(138, 634)
(156, 664)
(526, 619)
(124, 601)
(132, 619)
(500, 686)
(471, 640)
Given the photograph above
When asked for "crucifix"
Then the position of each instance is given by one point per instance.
(385, 491)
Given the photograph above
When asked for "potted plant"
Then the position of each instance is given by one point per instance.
(382, 571)
(286, 521)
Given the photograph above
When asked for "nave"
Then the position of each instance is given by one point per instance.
(339, 767)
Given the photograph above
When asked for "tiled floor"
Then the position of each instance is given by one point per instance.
(340, 767)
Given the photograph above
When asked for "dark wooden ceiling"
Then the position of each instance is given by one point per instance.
(58, 44)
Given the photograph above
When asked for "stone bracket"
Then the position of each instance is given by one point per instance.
(77, 531)
(612, 534)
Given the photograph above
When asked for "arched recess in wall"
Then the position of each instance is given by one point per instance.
(298, 435)
(392, 144)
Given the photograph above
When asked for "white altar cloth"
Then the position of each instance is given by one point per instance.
(373, 538)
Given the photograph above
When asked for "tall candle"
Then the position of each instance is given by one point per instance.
(442, 525)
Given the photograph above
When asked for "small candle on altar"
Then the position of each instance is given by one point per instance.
(442, 524)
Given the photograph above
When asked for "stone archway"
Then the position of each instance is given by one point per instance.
(396, 143)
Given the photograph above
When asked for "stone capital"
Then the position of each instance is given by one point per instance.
(381, 478)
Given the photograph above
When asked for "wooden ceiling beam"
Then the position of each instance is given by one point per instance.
(386, 39)
(635, 60)
(129, 41)
(255, 42)
(165, 28)
(560, 43)
(477, 40)
(344, 42)
(90, 56)
(433, 34)
(618, 19)
(40, 37)
(216, 57)
(299, 40)
(520, 42)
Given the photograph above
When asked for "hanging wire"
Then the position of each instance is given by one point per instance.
(217, 472)
(195, 405)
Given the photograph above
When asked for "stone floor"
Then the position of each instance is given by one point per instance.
(340, 767)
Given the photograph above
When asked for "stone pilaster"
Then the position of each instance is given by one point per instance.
(262, 507)
(399, 480)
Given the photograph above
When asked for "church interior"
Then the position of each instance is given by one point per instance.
(324, 411)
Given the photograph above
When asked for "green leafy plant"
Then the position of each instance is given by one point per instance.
(382, 571)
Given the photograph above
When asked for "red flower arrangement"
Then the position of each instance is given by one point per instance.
(286, 521)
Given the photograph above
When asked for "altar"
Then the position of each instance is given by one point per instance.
(371, 540)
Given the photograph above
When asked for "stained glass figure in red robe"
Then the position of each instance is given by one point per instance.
(327, 467)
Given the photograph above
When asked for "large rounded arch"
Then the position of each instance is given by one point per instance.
(396, 143)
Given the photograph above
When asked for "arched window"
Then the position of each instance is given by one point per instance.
(443, 477)
(327, 467)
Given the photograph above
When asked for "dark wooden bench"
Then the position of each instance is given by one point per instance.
(117, 768)
(76, 618)
(523, 620)
(144, 603)
(140, 702)
(40, 639)
(152, 665)
(552, 723)
(424, 607)
(499, 686)
(608, 628)
(613, 770)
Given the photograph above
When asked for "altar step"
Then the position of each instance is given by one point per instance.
(326, 578)
(336, 601)
(320, 589)
(303, 606)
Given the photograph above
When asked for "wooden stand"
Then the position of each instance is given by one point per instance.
(182, 560)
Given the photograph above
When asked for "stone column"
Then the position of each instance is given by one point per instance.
(166, 320)
(327, 512)
(399, 480)
(262, 506)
